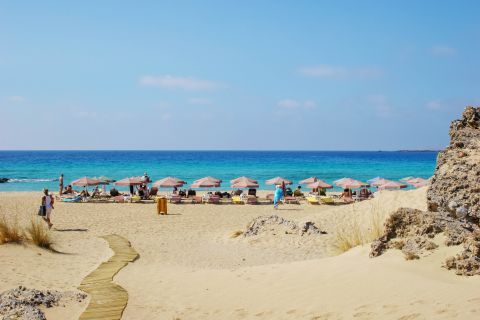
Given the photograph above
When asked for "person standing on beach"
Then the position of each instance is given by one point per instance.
(277, 196)
(60, 182)
(47, 202)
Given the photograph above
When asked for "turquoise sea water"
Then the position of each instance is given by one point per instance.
(35, 170)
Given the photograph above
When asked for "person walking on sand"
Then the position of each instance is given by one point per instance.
(47, 202)
(60, 182)
(277, 196)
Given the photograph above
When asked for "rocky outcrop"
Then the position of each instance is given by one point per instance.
(4, 180)
(455, 185)
(453, 203)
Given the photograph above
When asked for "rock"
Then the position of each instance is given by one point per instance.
(453, 201)
(269, 223)
(23, 303)
(4, 180)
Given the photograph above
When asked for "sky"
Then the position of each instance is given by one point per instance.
(255, 75)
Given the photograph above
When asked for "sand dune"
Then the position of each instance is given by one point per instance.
(190, 267)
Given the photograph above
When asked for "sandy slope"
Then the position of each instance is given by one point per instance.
(190, 268)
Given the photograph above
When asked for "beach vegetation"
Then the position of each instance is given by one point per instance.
(353, 233)
(10, 231)
(39, 234)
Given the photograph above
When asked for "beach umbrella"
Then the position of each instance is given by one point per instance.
(104, 180)
(244, 183)
(131, 181)
(86, 181)
(309, 180)
(243, 178)
(407, 178)
(319, 184)
(349, 183)
(417, 182)
(169, 182)
(207, 182)
(371, 181)
(379, 182)
(392, 185)
(278, 181)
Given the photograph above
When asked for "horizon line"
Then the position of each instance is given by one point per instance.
(228, 150)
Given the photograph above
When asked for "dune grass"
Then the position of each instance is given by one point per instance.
(39, 234)
(10, 231)
(353, 233)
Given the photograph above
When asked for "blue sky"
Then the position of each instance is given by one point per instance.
(314, 75)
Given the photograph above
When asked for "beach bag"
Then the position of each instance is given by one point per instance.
(42, 211)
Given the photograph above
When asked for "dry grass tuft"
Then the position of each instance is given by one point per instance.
(354, 234)
(236, 234)
(10, 232)
(39, 234)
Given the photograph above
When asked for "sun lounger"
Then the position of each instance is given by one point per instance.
(119, 199)
(237, 200)
(197, 199)
(312, 200)
(270, 197)
(214, 199)
(252, 200)
(291, 199)
(327, 200)
(71, 199)
(175, 199)
(135, 199)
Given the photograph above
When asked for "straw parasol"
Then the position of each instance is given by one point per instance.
(169, 182)
(131, 181)
(86, 181)
(407, 178)
(206, 182)
(392, 185)
(244, 183)
(379, 182)
(417, 182)
(104, 180)
(243, 178)
(319, 184)
(309, 180)
(350, 183)
(278, 181)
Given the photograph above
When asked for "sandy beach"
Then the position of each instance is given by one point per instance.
(191, 268)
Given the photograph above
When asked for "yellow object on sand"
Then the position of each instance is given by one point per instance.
(237, 200)
(136, 199)
(312, 200)
(327, 200)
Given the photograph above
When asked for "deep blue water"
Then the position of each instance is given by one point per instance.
(36, 167)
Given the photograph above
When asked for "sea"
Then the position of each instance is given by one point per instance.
(35, 170)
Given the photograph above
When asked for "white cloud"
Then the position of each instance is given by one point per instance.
(200, 101)
(288, 104)
(434, 105)
(443, 50)
(185, 83)
(16, 99)
(328, 71)
(295, 104)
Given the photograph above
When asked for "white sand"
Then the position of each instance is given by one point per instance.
(190, 268)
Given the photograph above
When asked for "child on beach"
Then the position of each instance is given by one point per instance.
(47, 202)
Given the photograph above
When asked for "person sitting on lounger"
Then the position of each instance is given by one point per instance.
(68, 189)
(347, 195)
(114, 192)
(298, 192)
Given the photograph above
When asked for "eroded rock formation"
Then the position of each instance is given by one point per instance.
(453, 203)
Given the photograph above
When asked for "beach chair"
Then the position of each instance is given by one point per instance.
(175, 199)
(327, 200)
(252, 200)
(119, 199)
(197, 199)
(214, 199)
(291, 200)
(312, 200)
(135, 199)
(270, 197)
(237, 200)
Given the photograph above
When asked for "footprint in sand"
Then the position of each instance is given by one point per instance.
(411, 316)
